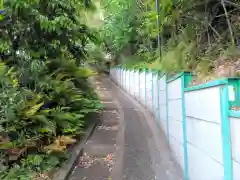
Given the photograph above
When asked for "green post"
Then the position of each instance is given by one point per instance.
(226, 133)
(184, 127)
(158, 92)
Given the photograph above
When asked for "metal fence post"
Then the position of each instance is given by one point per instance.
(145, 87)
(139, 94)
(129, 79)
(153, 74)
(226, 133)
(184, 127)
(158, 95)
(167, 129)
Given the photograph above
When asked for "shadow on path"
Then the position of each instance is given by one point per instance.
(127, 144)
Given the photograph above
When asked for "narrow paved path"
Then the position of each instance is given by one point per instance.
(141, 151)
(99, 151)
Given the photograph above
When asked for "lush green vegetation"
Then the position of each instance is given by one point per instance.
(45, 97)
(197, 36)
(44, 45)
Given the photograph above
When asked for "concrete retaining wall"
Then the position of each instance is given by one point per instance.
(202, 131)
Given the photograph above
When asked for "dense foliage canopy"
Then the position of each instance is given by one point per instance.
(45, 97)
(197, 36)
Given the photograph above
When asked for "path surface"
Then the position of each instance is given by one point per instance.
(132, 138)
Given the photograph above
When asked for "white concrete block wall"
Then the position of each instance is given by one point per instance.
(203, 122)
(174, 90)
(155, 95)
(123, 79)
(142, 88)
(149, 90)
(235, 140)
(132, 83)
(137, 85)
(127, 80)
(118, 75)
(204, 140)
(163, 104)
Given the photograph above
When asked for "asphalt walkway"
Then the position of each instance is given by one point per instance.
(127, 144)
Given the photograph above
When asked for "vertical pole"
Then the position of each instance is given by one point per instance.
(145, 87)
(125, 80)
(158, 96)
(158, 26)
(134, 83)
(135, 79)
(130, 79)
(117, 76)
(153, 92)
(226, 133)
(139, 94)
(114, 74)
(120, 79)
(184, 127)
(167, 129)
(123, 77)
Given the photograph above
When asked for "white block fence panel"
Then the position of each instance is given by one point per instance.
(175, 129)
(143, 87)
(149, 90)
(163, 103)
(235, 140)
(155, 95)
(203, 134)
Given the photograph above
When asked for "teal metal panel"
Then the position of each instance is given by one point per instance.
(235, 114)
(207, 85)
(184, 127)
(226, 133)
(174, 77)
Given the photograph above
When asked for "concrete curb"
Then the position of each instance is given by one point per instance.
(65, 171)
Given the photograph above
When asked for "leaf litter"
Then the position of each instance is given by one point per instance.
(87, 161)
